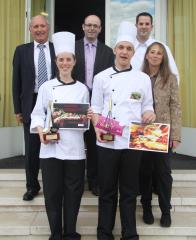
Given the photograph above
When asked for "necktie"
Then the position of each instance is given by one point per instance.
(89, 65)
(42, 69)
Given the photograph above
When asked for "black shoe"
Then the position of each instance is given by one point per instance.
(148, 217)
(29, 195)
(165, 220)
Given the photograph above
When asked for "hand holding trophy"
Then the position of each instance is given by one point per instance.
(50, 133)
(105, 124)
(108, 136)
(108, 126)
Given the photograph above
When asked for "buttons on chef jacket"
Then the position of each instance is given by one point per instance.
(114, 104)
(113, 90)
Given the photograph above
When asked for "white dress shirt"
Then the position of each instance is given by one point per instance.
(119, 87)
(71, 143)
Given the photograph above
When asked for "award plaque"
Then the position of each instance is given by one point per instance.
(107, 137)
(50, 133)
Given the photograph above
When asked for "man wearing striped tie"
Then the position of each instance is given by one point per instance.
(33, 64)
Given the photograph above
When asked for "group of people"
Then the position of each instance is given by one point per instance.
(88, 71)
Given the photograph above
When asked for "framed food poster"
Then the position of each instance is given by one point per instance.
(149, 137)
(70, 116)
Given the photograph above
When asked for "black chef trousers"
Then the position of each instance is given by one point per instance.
(117, 169)
(63, 186)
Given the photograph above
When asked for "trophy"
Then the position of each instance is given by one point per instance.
(108, 136)
(50, 133)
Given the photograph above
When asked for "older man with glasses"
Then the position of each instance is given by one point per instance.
(92, 57)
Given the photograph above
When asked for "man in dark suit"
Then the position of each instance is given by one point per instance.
(92, 57)
(25, 88)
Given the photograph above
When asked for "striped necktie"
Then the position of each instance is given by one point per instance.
(42, 69)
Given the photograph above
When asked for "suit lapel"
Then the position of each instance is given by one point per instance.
(52, 56)
(81, 53)
(30, 55)
(98, 56)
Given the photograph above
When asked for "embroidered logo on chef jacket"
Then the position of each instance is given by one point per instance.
(135, 95)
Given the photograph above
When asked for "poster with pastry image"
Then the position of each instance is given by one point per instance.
(149, 137)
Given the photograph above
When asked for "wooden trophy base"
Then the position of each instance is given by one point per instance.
(51, 136)
(107, 137)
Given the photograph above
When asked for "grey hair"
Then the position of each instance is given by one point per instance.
(30, 23)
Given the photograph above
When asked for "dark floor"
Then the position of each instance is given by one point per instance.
(179, 161)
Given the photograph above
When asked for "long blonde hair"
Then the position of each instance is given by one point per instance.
(164, 69)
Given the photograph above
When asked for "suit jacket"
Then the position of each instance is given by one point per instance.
(167, 105)
(24, 78)
(104, 59)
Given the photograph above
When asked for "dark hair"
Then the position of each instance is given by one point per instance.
(164, 69)
(145, 14)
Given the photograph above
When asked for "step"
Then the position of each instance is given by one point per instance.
(19, 175)
(183, 199)
(13, 197)
(36, 224)
(95, 238)
(184, 178)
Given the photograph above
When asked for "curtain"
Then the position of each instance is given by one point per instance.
(181, 39)
(12, 25)
(37, 7)
(12, 20)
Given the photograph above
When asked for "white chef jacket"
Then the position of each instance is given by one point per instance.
(119, 87)
(71, 143)
(140, 50)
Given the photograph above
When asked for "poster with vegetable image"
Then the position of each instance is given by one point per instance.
(70, 116)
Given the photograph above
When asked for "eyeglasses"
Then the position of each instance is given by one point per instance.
(89, 25)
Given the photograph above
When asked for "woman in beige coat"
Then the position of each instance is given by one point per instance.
(167, 109)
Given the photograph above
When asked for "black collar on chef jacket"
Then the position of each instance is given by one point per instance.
(117, 71)
(63, 83)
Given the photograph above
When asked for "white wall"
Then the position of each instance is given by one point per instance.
(188, 145)
(11, 142)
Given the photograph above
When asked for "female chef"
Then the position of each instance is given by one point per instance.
(62, 161)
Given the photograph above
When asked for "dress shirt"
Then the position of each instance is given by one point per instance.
(140, 50)
(118, 86)
(89, 70)
(48, 61)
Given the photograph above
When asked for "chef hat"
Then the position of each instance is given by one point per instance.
(64, 42)
(126, 32)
